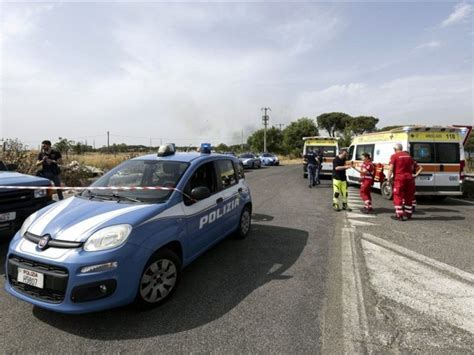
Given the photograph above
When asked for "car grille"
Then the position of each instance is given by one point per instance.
(55, 279)
(16, 198)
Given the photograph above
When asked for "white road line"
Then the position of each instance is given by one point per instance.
(459, 200)
(357, 223)
(359, 215)
(421, 258)
(355, 324)
(419, 286)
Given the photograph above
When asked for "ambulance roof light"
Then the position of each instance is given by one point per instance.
(407, 128)
(166, 150)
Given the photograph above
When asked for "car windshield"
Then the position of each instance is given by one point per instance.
(267, 155)
(246, 156)
(139, 173)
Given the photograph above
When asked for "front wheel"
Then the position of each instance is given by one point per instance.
(159, 279)
(386, 190)
(245, 223)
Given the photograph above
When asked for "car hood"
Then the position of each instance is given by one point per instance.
(12, 178)
(75, 219)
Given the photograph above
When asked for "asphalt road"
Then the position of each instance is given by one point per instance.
(306, 280)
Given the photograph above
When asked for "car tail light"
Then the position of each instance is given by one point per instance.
(462, 165)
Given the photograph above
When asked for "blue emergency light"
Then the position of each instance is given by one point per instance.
(205, 148)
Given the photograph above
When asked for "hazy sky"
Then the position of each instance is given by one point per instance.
(193, 72)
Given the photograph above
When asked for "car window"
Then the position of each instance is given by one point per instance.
(227, 173)
(422, 152)
(239, 168)
(447, 153)
(351, 152)
(137, 173)
(364, 148)
(204, 175)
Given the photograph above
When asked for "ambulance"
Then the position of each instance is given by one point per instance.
(438, 149)
(328, 147)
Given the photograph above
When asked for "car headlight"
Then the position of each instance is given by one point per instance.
(108, 237)
(26, 224)
(40, 193)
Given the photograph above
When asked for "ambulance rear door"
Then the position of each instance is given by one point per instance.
(424, 154)
(447, 152)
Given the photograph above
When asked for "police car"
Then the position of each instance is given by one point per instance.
(114, 243)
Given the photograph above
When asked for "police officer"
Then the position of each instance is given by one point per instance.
(401, 173)
(367, 172)
(310, 157)
(339, 181)
(50, 159)
(319, 165)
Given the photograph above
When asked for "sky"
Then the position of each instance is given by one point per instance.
(152, 72)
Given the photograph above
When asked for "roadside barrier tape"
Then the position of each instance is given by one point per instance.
(120, 188)
(115, 188)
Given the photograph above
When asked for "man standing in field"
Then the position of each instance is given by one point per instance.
(401, 172)
(50, 159)
(339, 181)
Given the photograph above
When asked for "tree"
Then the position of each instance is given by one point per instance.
(333, 122)
(293, 134)
(222, 148)
(274, 140)
(64, 145)
(362, 124)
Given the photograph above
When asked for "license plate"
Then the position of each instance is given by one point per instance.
(6, 217)
(30, 277)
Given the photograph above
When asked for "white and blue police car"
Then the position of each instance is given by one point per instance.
(104, 248)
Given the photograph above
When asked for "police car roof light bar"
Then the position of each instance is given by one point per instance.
(205, 148)
(166, 150)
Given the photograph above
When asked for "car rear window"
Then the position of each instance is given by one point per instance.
(447, 153)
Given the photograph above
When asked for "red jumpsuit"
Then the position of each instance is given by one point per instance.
(367, 180)
(403, 183)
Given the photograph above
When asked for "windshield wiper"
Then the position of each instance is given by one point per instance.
(111, 196)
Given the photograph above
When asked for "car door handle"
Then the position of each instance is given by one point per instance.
(220, 200)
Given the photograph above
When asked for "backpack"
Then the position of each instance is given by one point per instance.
(379, 175)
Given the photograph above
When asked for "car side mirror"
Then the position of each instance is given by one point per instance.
(200, 193)
(12, 167)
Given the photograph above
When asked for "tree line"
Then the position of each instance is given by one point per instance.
(289, 140)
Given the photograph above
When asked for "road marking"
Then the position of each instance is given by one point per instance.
(360, 215)
(355, 325)
(459, 200)
(420, 287)
(360, 223)
(421, 258)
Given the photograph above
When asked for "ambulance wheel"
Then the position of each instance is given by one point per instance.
(159, 279)
(245, 223)
(386, 190)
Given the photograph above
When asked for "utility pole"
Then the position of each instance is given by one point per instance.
(265, 120)
(280, 125)
(108, 142)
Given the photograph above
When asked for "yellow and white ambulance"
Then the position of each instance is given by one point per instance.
(439, 150)
(327, 146)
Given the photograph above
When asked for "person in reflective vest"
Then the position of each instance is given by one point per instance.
(400, 174)
(367, 172)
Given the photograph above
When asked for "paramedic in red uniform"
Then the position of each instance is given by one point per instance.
(401, 170)
(367, 172)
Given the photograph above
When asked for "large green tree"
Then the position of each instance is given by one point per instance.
(274, 140)
(333, 122)
(64, 145)
(293, 134)
(361, 124)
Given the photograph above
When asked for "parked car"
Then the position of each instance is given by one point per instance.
(250, 161)
(269, 159)
(107, 247)
(17, 204)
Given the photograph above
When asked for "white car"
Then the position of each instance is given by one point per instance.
(269, 159)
